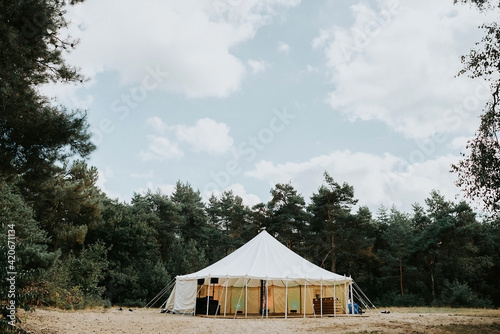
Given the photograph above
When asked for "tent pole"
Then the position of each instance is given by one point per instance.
(217, 310)
(267, 299)
(351, 298)
(225, 298)
(286, 299)
(305, 293)
(321, 296)
(346, 297)
(246, 296)
(334, 300)
(208, 294)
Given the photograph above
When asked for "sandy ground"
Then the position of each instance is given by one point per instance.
(45, 321)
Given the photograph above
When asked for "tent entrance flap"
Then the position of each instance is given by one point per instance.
(182, 300)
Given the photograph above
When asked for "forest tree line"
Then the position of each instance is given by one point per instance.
(76, 247)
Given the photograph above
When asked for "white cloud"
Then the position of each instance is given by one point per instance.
(397, 64)
(257, 66)
(147, 175)
(191, 40)
(157, 124)
(311, 69)
(460, 143)
(377, 179)
(206, 135)
(160, 148)
(103, 178)
(283, 47)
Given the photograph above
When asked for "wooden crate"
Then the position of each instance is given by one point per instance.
(330, 306)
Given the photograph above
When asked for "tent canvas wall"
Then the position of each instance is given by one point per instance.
(262, 276)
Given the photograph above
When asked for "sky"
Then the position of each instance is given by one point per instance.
(243, 94)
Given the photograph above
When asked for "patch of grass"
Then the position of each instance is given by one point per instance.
(472, 329)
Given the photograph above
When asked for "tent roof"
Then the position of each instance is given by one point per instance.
(266, 258)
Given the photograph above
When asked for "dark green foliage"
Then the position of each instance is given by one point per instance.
(229, 225)
(186, 257)
(30, 244)
(193, 221)
(133, 253)
(37, 139)
(68, 205)
(458, 294)
(329, 210)
(73, 282)
(162, 214)
(479, 171)
(34, 133)
(399, 237)
(288, 220)
(393, 298)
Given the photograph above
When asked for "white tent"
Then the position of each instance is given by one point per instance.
(261, 277)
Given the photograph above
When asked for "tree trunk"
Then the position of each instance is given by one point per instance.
(431, 270)
(401, 271)
(401, 276)
(334, 257)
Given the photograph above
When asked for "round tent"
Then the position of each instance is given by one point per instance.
(261, 277)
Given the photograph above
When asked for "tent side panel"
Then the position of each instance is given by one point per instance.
(279, 294)
(185, 297)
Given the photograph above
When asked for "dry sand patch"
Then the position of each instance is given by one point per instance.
(49, 321)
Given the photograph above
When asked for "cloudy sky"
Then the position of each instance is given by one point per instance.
(244, 94)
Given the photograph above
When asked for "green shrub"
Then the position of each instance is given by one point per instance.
(457, 294)
(395, 299)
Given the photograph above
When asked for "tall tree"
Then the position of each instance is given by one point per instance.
(479, 170)
(229, 221)
(288, 217)
(160, 213)
(68, 205)
(398, 237)
(29, 254)
(35, 134)
(447, 249)
(135, 270)
(329, 206)
(193, 219)
(355, 242)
